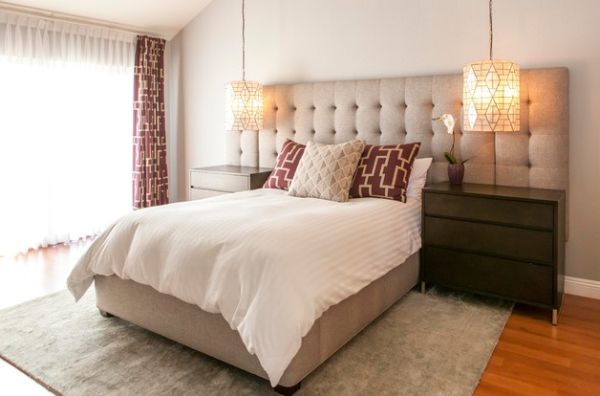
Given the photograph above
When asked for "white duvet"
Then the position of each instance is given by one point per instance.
(270, 263)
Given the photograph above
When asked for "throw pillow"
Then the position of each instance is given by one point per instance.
(383, 171)
(287, 162)
(326, 170)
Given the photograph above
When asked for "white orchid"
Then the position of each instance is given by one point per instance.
(449, 122)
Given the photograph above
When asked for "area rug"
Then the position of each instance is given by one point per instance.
(433, 344)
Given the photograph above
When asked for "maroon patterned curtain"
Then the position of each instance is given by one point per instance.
(150, 181)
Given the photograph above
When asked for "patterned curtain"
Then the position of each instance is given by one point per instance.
(150, 181)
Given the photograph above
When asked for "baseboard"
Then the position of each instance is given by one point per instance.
(582, 287)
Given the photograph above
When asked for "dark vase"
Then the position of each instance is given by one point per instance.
(456, 172)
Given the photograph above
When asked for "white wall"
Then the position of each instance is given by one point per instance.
(311, 40)
(174, 116)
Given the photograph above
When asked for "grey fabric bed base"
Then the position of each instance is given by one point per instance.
(210, 334)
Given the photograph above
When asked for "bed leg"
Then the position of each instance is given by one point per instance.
(105, 314)
(423, 287)
(287, 390)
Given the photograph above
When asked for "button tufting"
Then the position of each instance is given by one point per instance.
(313, 131)
(294, 109)
(333, 132)
(355, 106)
(275, 108)
(241, 151)
(380, 105)
(356, 132)
(313, 107)
(274, 130)
(334, 107)
(380, 132)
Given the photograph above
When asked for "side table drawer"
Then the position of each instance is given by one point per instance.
(219, 181)
(518, 243)
(528, 214)
(197, 193)
(504, 278)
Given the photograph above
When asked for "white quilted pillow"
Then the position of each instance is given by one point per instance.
(326, 170)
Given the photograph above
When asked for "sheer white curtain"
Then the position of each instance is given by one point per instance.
(65, 130)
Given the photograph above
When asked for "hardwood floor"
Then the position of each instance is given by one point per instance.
(532, 356)
(535, 358)
(37, 273)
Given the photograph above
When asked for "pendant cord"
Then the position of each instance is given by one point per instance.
(244, 40)
(491, 32)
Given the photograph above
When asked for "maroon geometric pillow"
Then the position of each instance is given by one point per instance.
(287, 162)
(383, 171)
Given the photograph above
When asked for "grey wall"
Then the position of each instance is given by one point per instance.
(315, 40)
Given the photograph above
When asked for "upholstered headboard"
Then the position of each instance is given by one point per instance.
(398, 110)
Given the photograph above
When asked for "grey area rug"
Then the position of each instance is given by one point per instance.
(433, 344)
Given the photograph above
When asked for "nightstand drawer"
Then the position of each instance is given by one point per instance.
(197, 193)
(219, 181)
(504, 278)
(517, 243)
(528, 214)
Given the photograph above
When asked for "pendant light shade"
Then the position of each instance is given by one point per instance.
(244, 99)
(244, 110)
(491, 93)
(491, 97)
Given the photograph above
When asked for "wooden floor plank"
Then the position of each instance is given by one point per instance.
(37, 273)
(541, 359)
(511, 386)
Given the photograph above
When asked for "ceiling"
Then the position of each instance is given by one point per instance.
(160, 17)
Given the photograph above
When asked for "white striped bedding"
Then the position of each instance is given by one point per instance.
(270, 263)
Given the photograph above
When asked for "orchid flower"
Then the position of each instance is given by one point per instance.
(449, 122)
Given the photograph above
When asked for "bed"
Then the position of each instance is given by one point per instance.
(368, 278)
(268, 263)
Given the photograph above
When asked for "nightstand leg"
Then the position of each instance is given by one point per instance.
(554, 317)
(423, 288)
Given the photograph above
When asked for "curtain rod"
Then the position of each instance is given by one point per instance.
(68, 18)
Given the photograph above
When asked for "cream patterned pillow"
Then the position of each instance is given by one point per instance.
(326, 170)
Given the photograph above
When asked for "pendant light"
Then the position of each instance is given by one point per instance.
(244, 100)
(491, 93)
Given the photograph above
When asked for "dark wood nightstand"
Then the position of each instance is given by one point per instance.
(507, 242)
(223, 179)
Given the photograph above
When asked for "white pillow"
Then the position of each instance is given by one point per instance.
(418, 177)
(326, 171)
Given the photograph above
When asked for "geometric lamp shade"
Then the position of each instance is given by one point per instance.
(491, 99)
(244, 106)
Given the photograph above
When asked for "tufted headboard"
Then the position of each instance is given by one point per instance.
(399, 110)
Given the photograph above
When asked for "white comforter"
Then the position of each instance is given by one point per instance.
(270, 263)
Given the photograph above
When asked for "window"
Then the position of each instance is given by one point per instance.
(65, 148)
